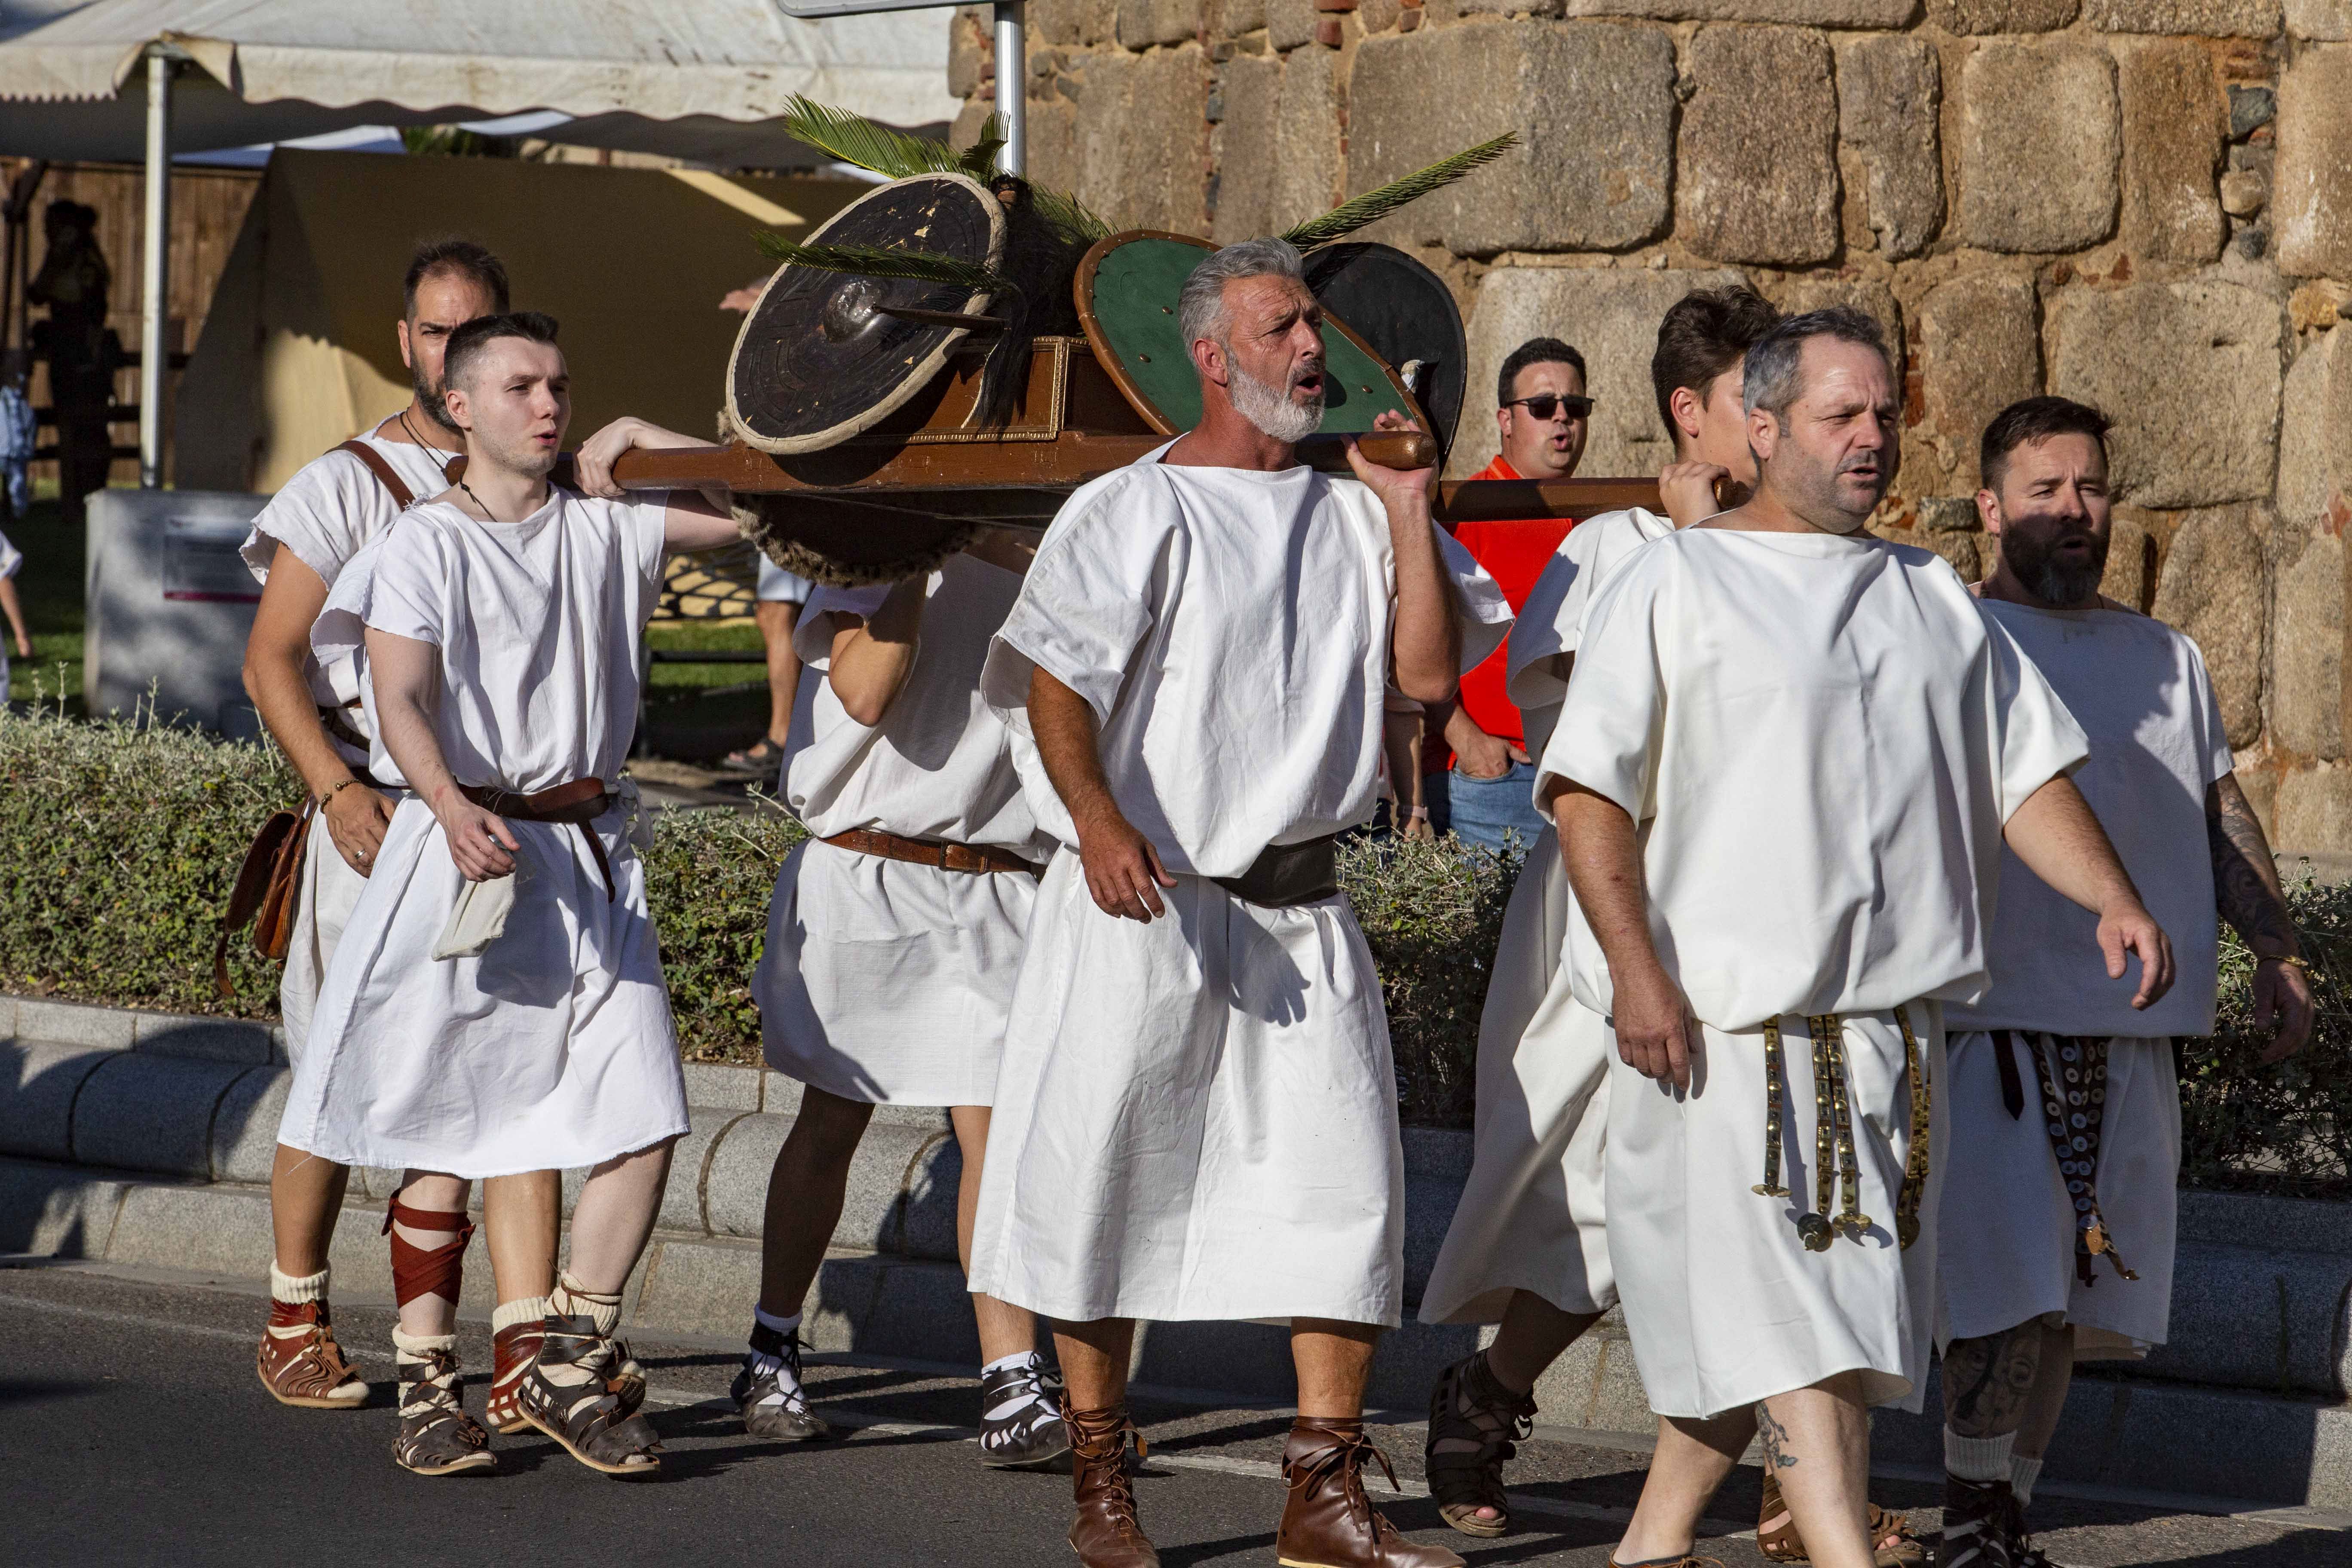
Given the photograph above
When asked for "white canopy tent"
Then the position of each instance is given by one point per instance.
(232, 73)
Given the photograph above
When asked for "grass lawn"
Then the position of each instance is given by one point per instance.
(49, 587)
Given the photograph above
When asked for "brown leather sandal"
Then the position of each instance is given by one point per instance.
(572, 1393)
(1893, 1543)
(436, 1437)
(515, 1347)
(1475, 1428)
(300, 1363)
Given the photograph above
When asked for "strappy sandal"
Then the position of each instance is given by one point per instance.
(1473, 1434)
(436, 1437)
(1893, 1544)
(762, 758)
(572, 1393)
(300, 1363)
(1030, 1434)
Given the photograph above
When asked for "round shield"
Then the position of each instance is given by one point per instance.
(1126, 289)
(821, 357)
(1407, 314)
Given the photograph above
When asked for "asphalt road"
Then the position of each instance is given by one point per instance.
(132, 1431)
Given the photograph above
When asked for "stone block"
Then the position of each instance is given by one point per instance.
(244, 1125)
(720, 1086)
(2324, 19)
(1818, 291)
(2211, 588)
(2190, 372)
(151, 1114)
(2313, 813)
(1888, 89)
(1580, 180)
(689, 1167)
(1436, 1165)
(2243, 192)
(1242, 145)
(1289, 23)
(2130, 576)
(1309, 170)
(1610, 313)
(2038, 146)
(1757, 178)
(1143, 22)
(971, 50)
(2001, 15)
(1980, 351)
(2209, 19)
(211, 1040)
(2261, 1220)
(735, 1182)
(1142, 139)
(2311, 191)
(38, 1083)
(2175, 120)
(1380, 15)
(2306, 705)
(52, 1212)
(1235, 18)
(1812, 13)
(214, 1229)
(2250, 108)
(697, 1286)
(2251, 1317)
(76, 1024)
(1074, 21)
(2314, 476)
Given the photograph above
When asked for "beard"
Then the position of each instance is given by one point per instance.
(1820, 494)
(2030, 548)
(430, 399)
(1273, 410)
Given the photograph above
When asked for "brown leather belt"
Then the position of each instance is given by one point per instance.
(978, 859)
(579, 802)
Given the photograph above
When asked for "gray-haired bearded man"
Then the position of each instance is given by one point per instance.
(1196, 1115)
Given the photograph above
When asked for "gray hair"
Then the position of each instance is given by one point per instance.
(1773, 377)
(1201, 308)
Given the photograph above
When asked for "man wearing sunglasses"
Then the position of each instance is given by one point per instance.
(1476, 779)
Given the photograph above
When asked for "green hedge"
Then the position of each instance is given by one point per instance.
(117, 843)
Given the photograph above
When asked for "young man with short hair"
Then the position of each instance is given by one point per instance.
(300, 544)
(496, 1003)
(2056, 1230)
(1782, 775)
(1483, 796)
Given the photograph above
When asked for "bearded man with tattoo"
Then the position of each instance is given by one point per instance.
(2055, 1233)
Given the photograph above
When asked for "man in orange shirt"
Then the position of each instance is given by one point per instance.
(1484, 790)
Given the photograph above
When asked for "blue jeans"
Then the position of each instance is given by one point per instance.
(1483, 811)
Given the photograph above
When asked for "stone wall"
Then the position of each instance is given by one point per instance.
(2145, 203)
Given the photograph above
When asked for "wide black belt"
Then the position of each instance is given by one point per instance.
(1287, 874)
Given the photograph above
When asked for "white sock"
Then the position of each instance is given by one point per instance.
(762, 1364)
(1024, 1395)
(573, 1300)
(1978, 1458)
(1006, 1363)
(768, 1319)
(2023, 1473)
(294, 1291)
(524, 1310)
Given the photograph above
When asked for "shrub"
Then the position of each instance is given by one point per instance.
(118, 841)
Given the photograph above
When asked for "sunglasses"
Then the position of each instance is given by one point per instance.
(1542, 407)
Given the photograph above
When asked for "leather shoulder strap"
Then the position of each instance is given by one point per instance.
(401, 496)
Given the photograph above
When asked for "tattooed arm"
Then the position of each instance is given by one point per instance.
(2246, 888)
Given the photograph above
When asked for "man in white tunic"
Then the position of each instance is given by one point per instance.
(1790, 754)
(2055, 1228)
(300, 544)
(496, 1003)
(894, 940)
(1196, 1116)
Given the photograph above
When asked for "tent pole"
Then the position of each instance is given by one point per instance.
(155, 269)
(1012, 84)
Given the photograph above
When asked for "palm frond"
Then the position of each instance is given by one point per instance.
(1071, 217)
(854, 139)
(1376, 205)
(979, 160)
(923, 266)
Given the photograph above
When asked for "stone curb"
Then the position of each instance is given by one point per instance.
(2281, 1449)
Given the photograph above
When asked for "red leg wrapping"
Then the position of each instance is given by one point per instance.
(426, 1271)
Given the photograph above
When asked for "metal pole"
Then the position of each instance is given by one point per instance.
(1011, 86)
(155, 270)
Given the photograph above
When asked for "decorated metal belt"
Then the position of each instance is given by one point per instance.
(1833, 1144)
(2074, 1109)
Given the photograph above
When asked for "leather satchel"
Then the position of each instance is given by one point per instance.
(266, 885)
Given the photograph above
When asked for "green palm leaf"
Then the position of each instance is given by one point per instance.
(923, 266)
(1376, 205)
(1073, 218)
(854, 139)
(979, 160)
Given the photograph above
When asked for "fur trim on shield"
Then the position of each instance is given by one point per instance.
(765, 519)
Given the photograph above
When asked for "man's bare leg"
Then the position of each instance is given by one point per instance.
(569, 1392)
(305, 1196)
(1990, 1387)
(523, 1216)
(1533, 1335)
(1020, 1412)
(1693, 1460)
(805, 1190)
(298, 1360)
(1817, 1441)
(2040, 1422)
(1477, 1407)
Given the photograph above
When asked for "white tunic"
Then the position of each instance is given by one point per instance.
(553, 1048)
(325, 514)
(1531, 1215)
(2141, 691)
(1819, 739)
(1196, 1116)
(883, 980)
(12, 561)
